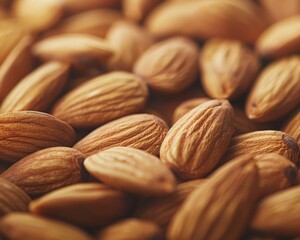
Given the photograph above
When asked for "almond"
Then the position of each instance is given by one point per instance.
(228, 68)
(25, 132)
(12, 198)
(131, 170)
(222, 206)
(46, 170)
(279, 213)
(292, 126)
(18, 226)
(276, 91)
(169, 66)
(197, 141)
(142, 131)
(85, 204)
(37, 90)
(102, 99)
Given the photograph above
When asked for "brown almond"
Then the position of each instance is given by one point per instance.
(25, 132)
(46, 170)
(12, 198)
(222, 206)
(228, 68)
(142, 131)
(131, 170)
(276, 91)
(17, 226)
(292, 126)
(197, 141)
(84, 204)
(38, 90)
(169, 66)
(102, 99)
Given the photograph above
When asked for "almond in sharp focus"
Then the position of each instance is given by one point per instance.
(221, 207)
(102, 99)
(37, 90)
(85, 204)
(142, 131)
(12, 198)
(131, 170)
(169, 66)
(46, 170)
(276, 91)
(292, 126)
(25, 132)
(197, 141)
(228, 68)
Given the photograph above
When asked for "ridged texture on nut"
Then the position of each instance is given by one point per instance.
(102, 99)
(25, 132)
(37, 90)
(46, 170)
(197, 141)
(12, 198)
(260, 142)
(131, 170)
(142, 131)
(280, 39)
(221, 207)
(228, 68)
(276, 91)
(240, 20)
(292, 126)
(279, 213)
(20, 226)
(131, 228)
(169, 66)
(85, 204)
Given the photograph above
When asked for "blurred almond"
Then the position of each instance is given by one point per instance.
(169, 66)
(25, 132)
(102, 99)
(228, 68)
(292, 125)
(131, 170)
(38, 90)
(84, 204)
(197, 141)
(276, 91)
(142, 131)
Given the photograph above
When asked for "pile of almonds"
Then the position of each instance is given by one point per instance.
(149, 119)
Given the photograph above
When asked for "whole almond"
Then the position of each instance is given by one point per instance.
(17, 226)
(276, 91)
(101, 100)
(197, 141)
(46, 170)
(222, 206)
(279, 213)
(85, 204)
(38, 89)
(228, 68)
(292, 126)
(131, 170)
(169, 66)
(25, 132)
(12, 198)
(142, 131)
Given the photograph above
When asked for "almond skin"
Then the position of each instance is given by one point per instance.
(12, 198)
(101, 100)
(38, 90)
(197, 141)
(169, 66)
(228, 68)
(25, 132)
(292, 126)
(222, 206)
(276, 91)
(98, 203)
(131, 170)
(46, 170)
(142, 131)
